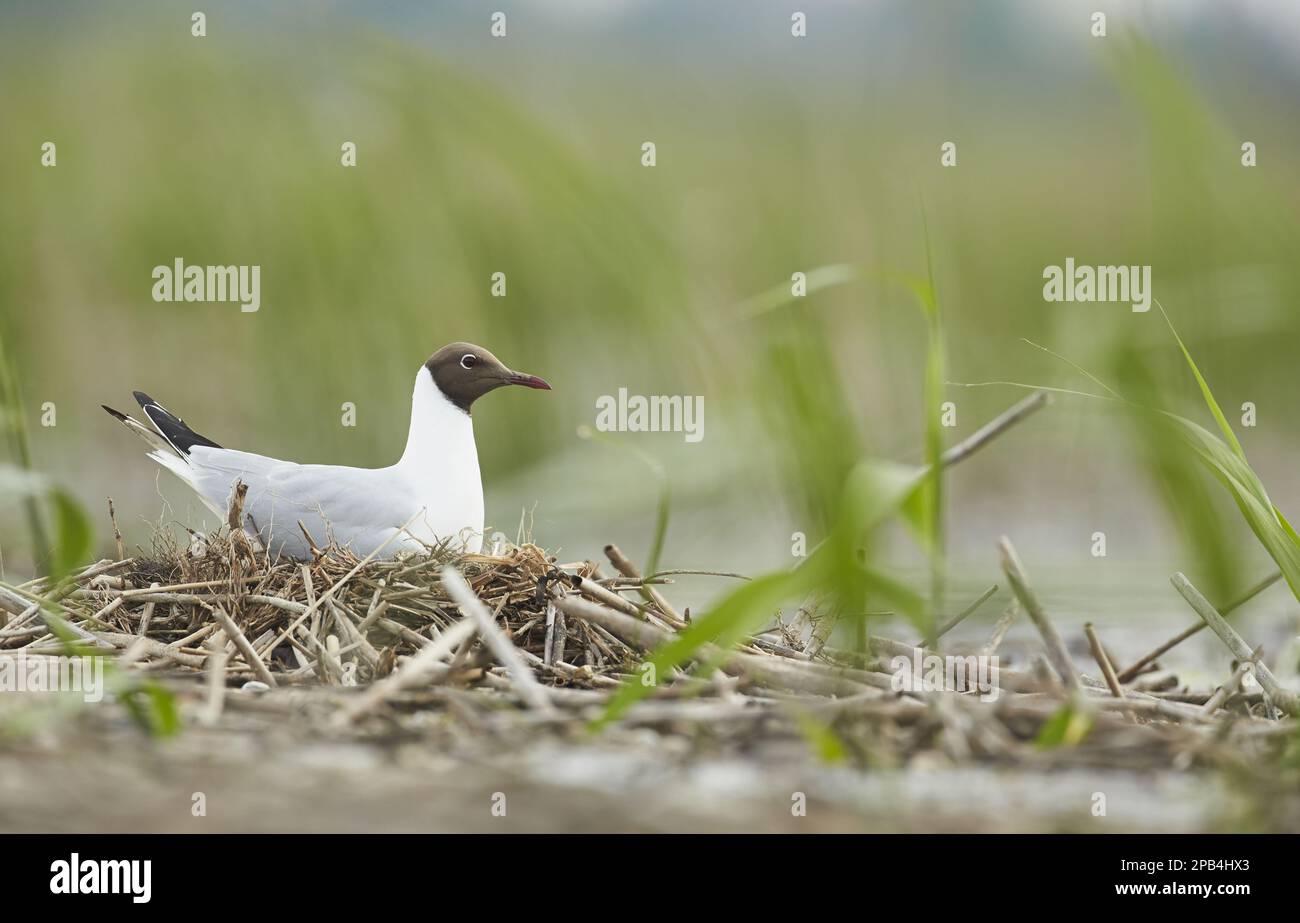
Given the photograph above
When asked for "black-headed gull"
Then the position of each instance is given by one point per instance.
(434, 490)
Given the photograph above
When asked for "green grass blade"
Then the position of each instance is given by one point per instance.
(723, 625)
(1229, 436)
(1270, 528)
(73, 534)
(1066, 728)
(874, 491)
(14, 422)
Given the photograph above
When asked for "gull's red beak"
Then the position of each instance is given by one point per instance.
(528, 381)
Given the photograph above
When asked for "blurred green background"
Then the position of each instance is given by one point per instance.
(774, 155)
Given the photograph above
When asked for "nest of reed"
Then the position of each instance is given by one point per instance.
(336, 620)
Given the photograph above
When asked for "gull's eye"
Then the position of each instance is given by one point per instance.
(468, 361)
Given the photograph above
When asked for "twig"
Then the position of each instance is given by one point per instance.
(143, 630)
(332, 662)
(547, 655)
(961, 616)
(824, 626)
(692, 572)
(117, 533)
(1128, 675)
(254, 662)
(1228, 689)
(415, 671)
(625, 567)
(1001, 628)
(1056, 651)
(642, 636)
(525, 683)
(1287, 700)
(785, 673)
(994, 428)
(600, 594)
(216, 666)
(1099, 655)
(152, 648)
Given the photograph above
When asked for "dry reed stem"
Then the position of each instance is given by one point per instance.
(963, 615)
(1129, 674)
(1001, 627)
(995, 427)
(625, 567)
(1056, 651)
(216, 667)
(1228, 689)
(250, 656)
(417, 671)
(500, 645)
(1103, 661)
(1287, 700)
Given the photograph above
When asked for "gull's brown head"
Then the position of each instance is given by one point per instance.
(465, 372)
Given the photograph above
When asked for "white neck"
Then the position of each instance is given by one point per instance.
(440, 467)
(441, 436)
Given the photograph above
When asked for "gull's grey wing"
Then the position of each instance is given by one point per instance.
(358, 507)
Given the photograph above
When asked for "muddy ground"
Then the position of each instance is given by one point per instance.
(274, 761)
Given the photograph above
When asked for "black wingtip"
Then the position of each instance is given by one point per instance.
(172, 427)
(116, 414)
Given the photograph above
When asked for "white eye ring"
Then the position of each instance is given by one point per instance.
(468, 361)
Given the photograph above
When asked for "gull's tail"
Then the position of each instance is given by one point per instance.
(169, 441)
(173, 428)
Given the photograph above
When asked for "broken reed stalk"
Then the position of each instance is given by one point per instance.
(1056, 651)
(245, 649)
(1131, 673)
(786, 673)
(963, 615)
(147, 614)
(625, 567)
(1228, 689)
(1001, 627)
(639, 634)
(823, 626)
(548, 644)
(607, 597)
(117, 533)
(501, 646)
(994, 428)
(216, 667)
(1103, 661)
(417, 671)
(1287, 700)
